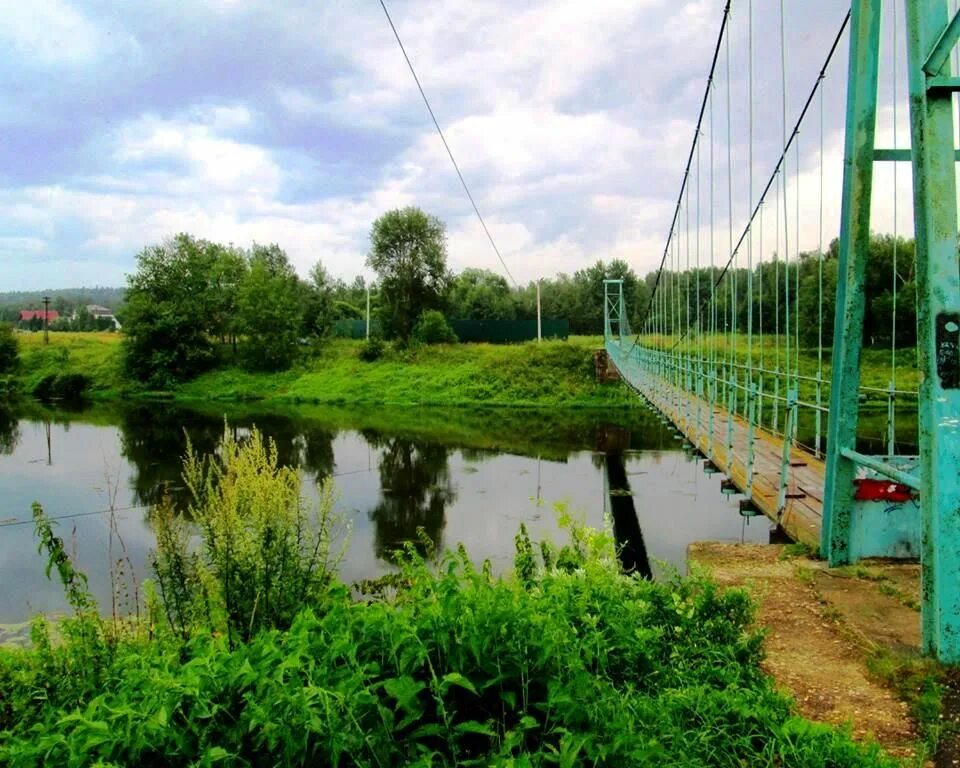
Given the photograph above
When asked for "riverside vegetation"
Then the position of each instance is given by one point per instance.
(551, 373)
(342, 372)
(245, 649)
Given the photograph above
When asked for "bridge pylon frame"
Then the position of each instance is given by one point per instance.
(614, 311)
(931, 36)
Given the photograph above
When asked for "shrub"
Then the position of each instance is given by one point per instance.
(263, 551)
(372, 349)
(62, 386)
(433, 328)
(9, 350)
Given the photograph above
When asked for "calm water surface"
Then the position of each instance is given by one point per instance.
(463, 476)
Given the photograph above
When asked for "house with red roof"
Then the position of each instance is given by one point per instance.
(26, 315)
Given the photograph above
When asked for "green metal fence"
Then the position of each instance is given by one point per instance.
(506, 331)
(490, 331)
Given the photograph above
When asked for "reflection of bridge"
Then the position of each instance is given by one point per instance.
(731, 350)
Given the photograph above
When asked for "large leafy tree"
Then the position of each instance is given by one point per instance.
(481, 295)
(408, 250)
(167, 315)
(270, 309)
(228, 273)
(317, 298)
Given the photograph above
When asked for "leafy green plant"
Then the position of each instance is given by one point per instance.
(432, 328)
(263, 553)
(371, 349)
(9, 350)
(572, 667)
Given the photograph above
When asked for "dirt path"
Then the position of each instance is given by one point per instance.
(816, 651)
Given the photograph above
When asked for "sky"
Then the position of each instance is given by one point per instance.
(299, 123)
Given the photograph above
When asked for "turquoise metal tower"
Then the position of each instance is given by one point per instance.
(851, 529)
(614, 312)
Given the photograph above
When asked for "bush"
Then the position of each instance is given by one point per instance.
(433, 328)
(9, 350)
(62, 386)
(372, 349)
(264, 552)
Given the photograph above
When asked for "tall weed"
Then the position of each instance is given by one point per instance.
(249, 551)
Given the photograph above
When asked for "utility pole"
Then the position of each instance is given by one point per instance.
(539, 326)
(368, 313)
(46, 319)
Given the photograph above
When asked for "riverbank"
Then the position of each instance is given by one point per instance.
(552, 374)
(844, 643)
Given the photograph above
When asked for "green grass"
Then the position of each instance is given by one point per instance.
(95, 355)
(548, 374)
(921, 683)
(552, 374)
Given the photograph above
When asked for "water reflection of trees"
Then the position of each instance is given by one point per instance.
(415, 489)
(153, 437)
(302, 445)
(9, 430)
(154, 440)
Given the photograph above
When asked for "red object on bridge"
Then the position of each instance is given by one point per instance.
(881, 490)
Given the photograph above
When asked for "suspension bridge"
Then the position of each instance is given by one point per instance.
(765, 356)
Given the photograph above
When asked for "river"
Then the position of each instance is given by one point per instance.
(469, 476)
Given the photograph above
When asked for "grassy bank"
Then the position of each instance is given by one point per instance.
(95, 355)
(552, 374)
(548, 374)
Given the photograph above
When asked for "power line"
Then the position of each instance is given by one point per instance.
(693, 149)
(14, 521)
(443, 138)
(781, 162)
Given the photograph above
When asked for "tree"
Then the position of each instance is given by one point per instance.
(408, 250)
(9, 350)
(270, 309)
(228, 272)
(480, 294)
(167, 313)
(317, 299)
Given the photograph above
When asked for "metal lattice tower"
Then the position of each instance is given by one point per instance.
(847, 534)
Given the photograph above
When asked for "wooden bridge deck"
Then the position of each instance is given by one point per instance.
(802, 513)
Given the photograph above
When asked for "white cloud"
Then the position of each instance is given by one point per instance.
(50, 32)
(213, 161)
(571, 122)
(298, 103)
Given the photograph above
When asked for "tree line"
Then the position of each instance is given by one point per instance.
(794, 286)
(193, 302)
